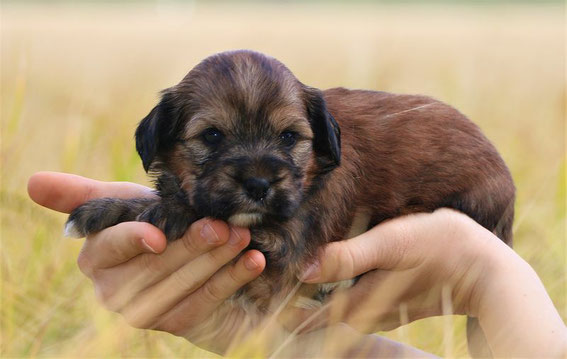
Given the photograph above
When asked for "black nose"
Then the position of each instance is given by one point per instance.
(257, 188)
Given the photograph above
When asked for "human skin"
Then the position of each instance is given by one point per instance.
(426, 265)
(431, 264)
(155, 285)
(180, 287)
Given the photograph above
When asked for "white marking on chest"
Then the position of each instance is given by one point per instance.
(245, 219)
(360, 223)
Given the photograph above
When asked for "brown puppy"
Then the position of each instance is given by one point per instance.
(241, 139)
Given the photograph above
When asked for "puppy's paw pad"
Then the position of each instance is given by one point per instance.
(71, 230)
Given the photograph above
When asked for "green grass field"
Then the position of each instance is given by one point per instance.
(77, 79)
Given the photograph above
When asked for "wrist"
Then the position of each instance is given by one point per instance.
(515, 312)
(504, 272)
(487, 261)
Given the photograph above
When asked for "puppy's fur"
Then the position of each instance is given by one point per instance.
(324, 156)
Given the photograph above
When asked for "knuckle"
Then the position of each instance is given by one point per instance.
(136, 321)
(184, 279)
(215, 258)
(104, 295)
(233, 275)
(403, 238)
(171, 326)
(401, 249)
(89, 192)
(402, 241)
(176, 325)
(452, 219)
(118, 252)
(139, 315)
(212, 292)
(117, 242)
(349, 259)
(84, 263)
(189, 244)
(153, 263)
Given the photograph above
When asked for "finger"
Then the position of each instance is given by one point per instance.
(199, 306)
(384, 247)
(301, 320)
(64, 192)
(365, 308)
(202, 237)
(118, 244)
(117, 285)
(384, 300)
(143, 310)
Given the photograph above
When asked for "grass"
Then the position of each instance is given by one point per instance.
(76, 80)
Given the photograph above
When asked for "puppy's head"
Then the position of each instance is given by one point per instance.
(245, 138)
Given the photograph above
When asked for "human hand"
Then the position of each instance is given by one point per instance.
(440, 263)
(415, 267)
(180, 287)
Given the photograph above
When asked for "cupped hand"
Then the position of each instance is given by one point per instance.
(412, 267)
(181, 287)
(442, 263)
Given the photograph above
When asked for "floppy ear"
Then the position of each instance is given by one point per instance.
(326, 131)
(157, 131)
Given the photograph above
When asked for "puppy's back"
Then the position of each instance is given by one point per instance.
(414, 154)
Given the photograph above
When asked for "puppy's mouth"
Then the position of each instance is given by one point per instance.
(247, 219)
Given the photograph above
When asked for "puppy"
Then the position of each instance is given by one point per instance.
(242, 140)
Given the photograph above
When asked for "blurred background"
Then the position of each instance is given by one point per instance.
(76, 77)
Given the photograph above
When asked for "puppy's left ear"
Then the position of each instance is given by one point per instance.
(157, 132)
(326, 131)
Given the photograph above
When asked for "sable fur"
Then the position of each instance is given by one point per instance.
(376, 152)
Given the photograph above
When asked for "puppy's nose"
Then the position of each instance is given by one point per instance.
(257, 188)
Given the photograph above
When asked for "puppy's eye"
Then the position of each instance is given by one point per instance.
(288, 138)
(212, 136)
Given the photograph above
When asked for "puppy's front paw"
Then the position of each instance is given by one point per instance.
(98, 214)
(173, 221)
(71, 230)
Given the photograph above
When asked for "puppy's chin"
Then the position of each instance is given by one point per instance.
(245, 219)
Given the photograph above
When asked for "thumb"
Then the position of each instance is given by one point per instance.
(64, 192)
(383, 247)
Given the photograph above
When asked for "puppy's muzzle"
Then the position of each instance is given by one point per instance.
(264, 185)
(257, 188)
(258, 177)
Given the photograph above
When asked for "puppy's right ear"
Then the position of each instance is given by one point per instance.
(157, 132)
(326, 131)
(146, 138)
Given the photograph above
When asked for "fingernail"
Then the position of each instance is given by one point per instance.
(209, 234)
(250, 263)
(311, 273)
(145, 244)
(234, 237)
